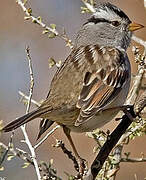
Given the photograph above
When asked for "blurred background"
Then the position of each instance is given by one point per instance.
(17, 33)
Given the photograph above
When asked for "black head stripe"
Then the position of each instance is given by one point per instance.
(96, 20)
(115, 9)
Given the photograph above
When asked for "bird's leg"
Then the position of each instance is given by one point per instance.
(81, 162)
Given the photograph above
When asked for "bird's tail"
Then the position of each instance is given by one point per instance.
(44, 125)
(22, 120)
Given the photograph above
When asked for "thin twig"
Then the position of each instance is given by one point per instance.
(60, 144)
(34, 19)
(128, 133)
(31, 79)
(27, 98)
(47, 135)
(133, 160)
(89, 6)
(27, 110)
(136, 86)
(132, 130)
(37, 20)
(145, 3)
(139, 41)
(7, 149)
(17, 153)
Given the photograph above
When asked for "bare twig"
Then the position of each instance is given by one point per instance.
(60, 144)
(27, 98)
(34, 19)
(145, 3)
(17, 153)
(137, 109)
(128, 133)
(31, 79)
(7, 149)
(133, 160)
(139, 41)
(136, 85)
(27, 110)
(47, 135)
(89, 6)
(38, 20)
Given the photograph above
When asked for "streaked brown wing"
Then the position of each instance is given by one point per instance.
(100, 88)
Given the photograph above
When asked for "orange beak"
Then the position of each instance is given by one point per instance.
(134, 26)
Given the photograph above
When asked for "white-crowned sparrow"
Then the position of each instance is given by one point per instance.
(93, 82)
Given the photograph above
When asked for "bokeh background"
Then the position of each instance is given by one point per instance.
(15, 35)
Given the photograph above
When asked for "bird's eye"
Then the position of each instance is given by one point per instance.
(115, 23)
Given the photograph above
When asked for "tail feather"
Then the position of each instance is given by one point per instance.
(22, 120)
(44, 125)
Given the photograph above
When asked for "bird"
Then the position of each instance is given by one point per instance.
(92, 84)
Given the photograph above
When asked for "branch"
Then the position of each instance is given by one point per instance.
(139, 41)
(47, 135)
(52, 29)
(60, 144)
(132, 98)
(31, 79)
(114, 138)
(136, 85)
(133, 160)
(27, 98)
(34, 19)
(89, 6)
(7, 149)
(17, 153)
(145, 3)
(23, 128)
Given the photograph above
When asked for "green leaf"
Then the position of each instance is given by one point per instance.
(10, 157)
(53, 26)
(45, 31)
(24, 2)
(127, 154)
(25, 165)
(29, 10)
(34, 21)
(52, 62)
(52, 35)
(39, 18)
